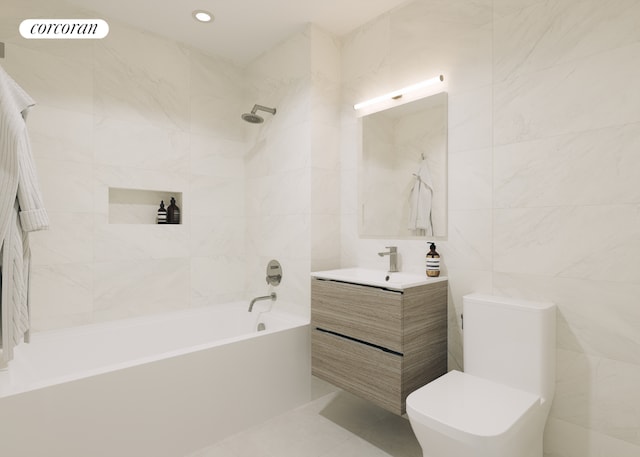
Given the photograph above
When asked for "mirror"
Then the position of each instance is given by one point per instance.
(403, 171)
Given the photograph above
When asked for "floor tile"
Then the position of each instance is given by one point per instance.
(334, 424)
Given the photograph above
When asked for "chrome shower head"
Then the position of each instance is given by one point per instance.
(253, 118)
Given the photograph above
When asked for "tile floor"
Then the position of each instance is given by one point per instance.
(334, 424)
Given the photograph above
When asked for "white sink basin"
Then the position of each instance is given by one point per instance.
(377, 278)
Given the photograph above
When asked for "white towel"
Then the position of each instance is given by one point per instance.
(21, 211)
(420, 201)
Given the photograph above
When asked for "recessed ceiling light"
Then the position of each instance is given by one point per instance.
(202, 16)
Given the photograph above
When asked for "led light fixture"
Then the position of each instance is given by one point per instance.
(202, 16)
(400, 92)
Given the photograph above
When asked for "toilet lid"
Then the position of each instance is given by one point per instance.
(460, 402)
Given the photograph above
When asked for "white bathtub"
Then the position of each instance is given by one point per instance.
(156, 386)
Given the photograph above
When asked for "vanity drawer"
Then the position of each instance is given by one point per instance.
(365, 313)
(369, 372)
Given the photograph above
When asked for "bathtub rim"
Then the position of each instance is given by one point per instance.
(8, 389)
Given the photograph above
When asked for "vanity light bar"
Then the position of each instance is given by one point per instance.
(400, 92)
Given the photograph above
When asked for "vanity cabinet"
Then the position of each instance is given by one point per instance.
(377, 343)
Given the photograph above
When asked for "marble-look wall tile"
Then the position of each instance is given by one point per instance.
(52, 80)
(122, 143)
(365, 61)
(286, 193)
(133, 288)
(222, 197)
(276, 236)
(289, 150)
(470, 120)
(325, 248)
(325, 98)
(142, 78)
(69, 239)
(598, 394)
(132, 111)
(325, 56)
(598, 318)
(210, 113)
(450, 37)
(564, 439)
(217, 156)
(61, 295)
(287, 61)
(350, 139)
(549, 33)
(66, 186)
(325, 191)
(470, 178)
(212, 235)
(115, 242)
(348, 193)
(568, 241)
(560, 170)
(215, 77)
(58, 134)
(325, 150)
(216, 97)
(469, 241)
(217, 279)
(506, 7)
(599, 91)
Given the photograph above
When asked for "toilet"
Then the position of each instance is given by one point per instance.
(499, 406)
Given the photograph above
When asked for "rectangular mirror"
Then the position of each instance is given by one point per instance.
(403, 171)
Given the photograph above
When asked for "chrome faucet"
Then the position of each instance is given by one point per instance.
(393, 258)
(273, 296)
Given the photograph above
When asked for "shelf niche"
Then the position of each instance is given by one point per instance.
(139, 206)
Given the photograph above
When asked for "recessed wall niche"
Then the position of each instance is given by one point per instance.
(139, 206)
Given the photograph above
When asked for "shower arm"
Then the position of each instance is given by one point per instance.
(263, 108)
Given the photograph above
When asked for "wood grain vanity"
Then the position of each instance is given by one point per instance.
(376, 342)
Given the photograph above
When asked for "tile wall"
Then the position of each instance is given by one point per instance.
(544, 201)
(544, 128)
(292, 165)
(138, 111)
(132, 111)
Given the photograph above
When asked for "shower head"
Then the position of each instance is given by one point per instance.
(253, 118)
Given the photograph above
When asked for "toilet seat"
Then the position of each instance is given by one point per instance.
(468, 408)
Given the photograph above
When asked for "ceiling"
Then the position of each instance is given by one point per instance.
(242, 29)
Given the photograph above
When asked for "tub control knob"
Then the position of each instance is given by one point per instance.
(274, 273)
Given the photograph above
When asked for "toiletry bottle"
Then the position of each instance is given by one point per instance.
(173, 213)
(162, 213)
(433, 262)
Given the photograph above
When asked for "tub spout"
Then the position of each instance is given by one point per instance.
(265, 297)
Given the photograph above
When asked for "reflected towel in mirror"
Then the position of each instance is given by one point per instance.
(420, 201)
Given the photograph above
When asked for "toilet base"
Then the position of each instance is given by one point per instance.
(435, 444)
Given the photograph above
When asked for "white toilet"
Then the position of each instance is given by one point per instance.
(499, 405)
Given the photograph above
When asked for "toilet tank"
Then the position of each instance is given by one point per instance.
(511, 341)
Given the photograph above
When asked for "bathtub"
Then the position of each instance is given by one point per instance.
(157, 386)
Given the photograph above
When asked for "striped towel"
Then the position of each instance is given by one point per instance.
(21, 211)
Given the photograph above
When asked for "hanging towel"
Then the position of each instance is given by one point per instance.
(21, 211)
(420, 201)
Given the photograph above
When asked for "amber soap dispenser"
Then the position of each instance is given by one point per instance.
(433, 262)
(173, 213)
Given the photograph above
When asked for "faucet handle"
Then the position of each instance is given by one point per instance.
(392, 248)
